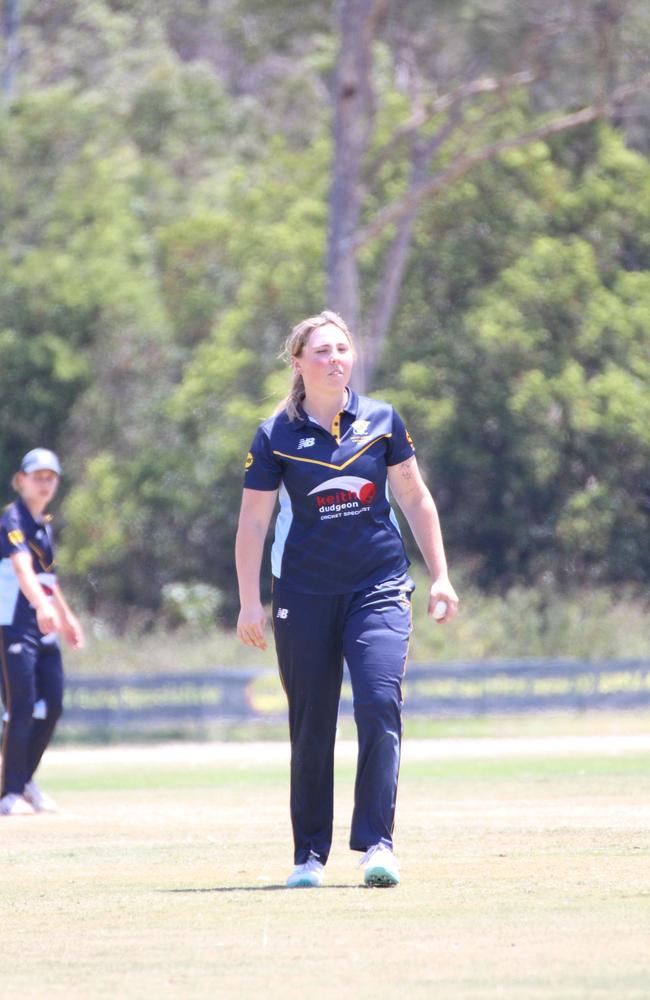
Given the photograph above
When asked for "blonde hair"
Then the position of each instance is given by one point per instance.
(293, 347)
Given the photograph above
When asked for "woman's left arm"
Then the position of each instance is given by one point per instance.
(415, 500)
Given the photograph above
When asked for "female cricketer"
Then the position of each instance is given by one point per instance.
(341, 588)
(32, 611)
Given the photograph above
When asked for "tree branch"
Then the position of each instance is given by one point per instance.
(464, 163)
(393, 270)
(483, 85)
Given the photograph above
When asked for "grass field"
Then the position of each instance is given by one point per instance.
(525, 875)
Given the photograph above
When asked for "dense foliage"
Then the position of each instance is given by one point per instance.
(164, 181)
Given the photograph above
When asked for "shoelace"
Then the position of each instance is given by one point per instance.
(311, 864)
(371, 851)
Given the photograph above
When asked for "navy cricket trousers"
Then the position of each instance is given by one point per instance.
(31, 671)
(314, 633)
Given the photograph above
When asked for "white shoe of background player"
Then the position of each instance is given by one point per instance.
(41, 802)
(15, 805)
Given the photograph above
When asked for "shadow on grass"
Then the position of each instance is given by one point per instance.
(260, 888)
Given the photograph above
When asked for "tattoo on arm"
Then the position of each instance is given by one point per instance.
(406, 483)
(406, 469)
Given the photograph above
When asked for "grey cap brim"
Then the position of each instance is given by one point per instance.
(41, 460)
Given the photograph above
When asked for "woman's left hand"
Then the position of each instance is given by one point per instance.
(72, 631)
(442, 590)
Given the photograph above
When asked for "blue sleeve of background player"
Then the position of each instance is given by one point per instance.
(263, 469)
(400, 443)
(12, 537)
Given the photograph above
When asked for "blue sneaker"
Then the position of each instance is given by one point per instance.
(380, 867)
(311, 875)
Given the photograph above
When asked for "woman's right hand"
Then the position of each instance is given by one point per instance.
(251, 625)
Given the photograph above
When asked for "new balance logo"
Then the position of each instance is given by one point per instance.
(306, 443)
(282, 613)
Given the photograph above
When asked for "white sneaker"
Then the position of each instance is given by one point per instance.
(15, 805)
(307, 876)
(41, 802)
(380, 867)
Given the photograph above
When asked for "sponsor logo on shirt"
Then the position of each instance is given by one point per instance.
(343, 496)
(306, 443)
(282, 613)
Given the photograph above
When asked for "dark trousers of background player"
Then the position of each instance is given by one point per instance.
(31, 671)
(313, 634)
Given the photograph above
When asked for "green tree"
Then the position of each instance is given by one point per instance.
(269, 276)
(543, 448)
(166, 206)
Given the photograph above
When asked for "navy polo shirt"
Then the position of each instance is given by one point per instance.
(336, 532)
(20, 532)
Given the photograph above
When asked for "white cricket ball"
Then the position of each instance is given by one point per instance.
(440, 610)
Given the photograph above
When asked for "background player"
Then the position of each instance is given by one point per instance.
(341, 587)
(32, 611)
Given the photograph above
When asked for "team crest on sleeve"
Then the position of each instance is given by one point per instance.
(249, 460)
(16, 537)
(409, 439)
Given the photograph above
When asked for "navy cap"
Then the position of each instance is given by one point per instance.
(40, 459)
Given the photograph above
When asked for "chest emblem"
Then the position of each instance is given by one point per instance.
(360, 428)
(306, 443)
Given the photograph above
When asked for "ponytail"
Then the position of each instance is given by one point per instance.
(296, 395)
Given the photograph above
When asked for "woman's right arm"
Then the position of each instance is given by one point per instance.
(254, 518)
(47, 615)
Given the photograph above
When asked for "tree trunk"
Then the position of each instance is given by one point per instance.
(10, 32)
(353, 121)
